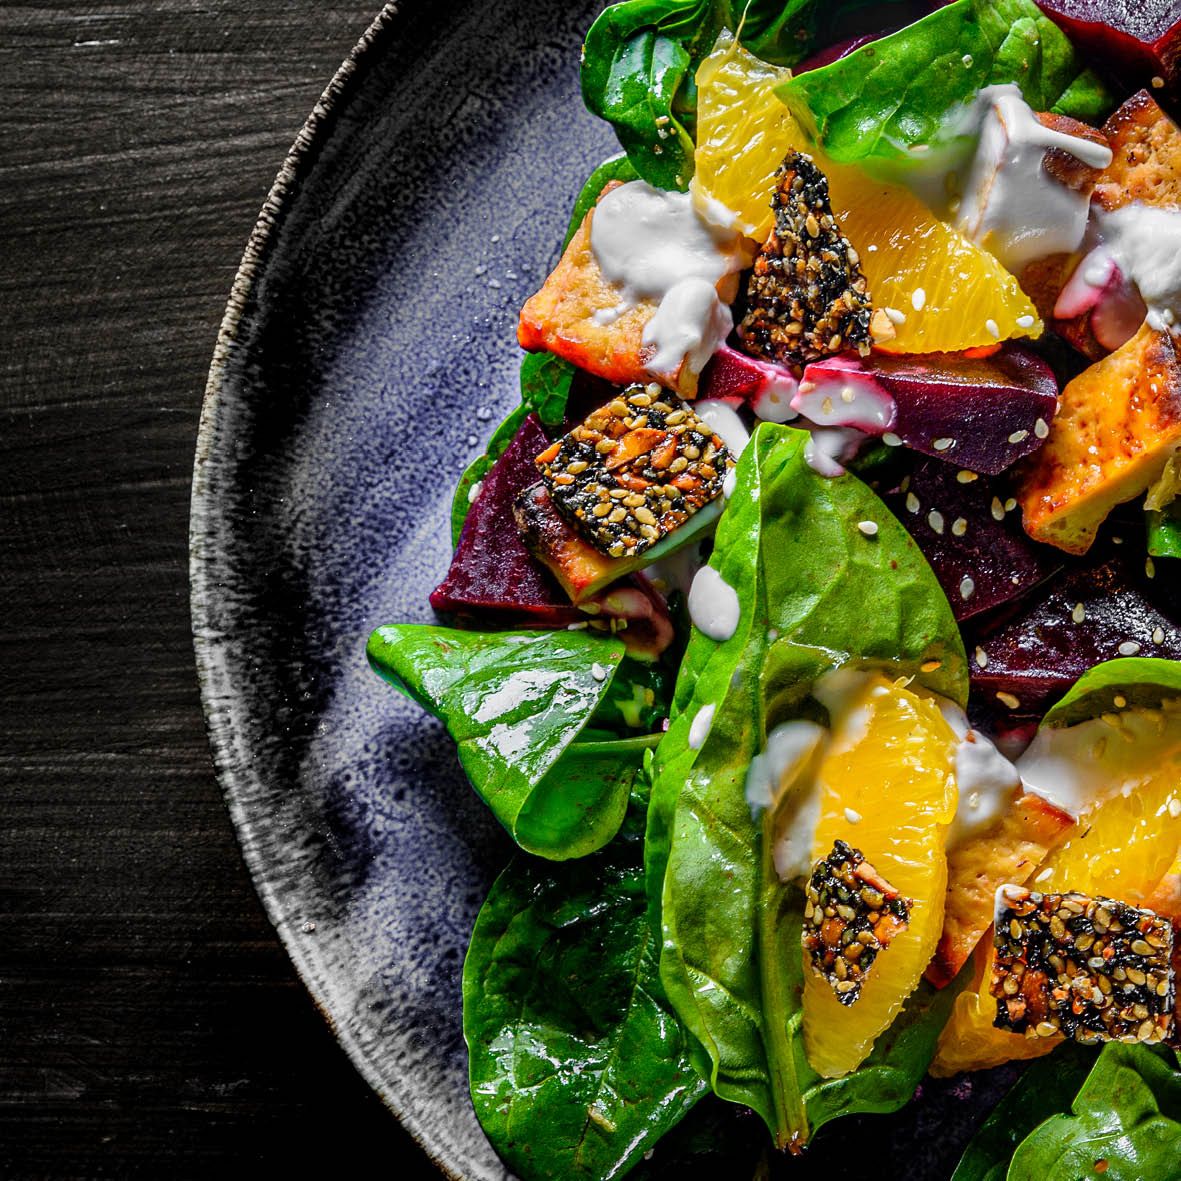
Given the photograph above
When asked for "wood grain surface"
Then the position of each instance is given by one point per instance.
(150, 1023)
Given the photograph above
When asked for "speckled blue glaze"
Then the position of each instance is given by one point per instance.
(366, 354)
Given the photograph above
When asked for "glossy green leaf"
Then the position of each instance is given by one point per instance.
(1164, 531)
(1128, 1114)
(1045, 1089)
(578, 1065)
(1143, 681)
(638, 700)
(815, 593)
(909, 88)
(516, 704)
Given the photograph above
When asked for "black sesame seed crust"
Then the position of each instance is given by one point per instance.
(807, 297)
(852, 913)
(1093, 969)
(635, 470)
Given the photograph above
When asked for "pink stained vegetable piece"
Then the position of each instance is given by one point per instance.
(766, 387)
(979, 413)
(979, 552)
(493, 577)
(1082, 616)
(1138, 40)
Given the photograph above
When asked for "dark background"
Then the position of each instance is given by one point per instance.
(150, 1023)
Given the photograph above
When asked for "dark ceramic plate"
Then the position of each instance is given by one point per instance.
(366, 353)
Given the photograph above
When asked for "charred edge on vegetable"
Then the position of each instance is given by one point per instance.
(1093, 969)
(807, 297)
(634, 470)
(852, 913)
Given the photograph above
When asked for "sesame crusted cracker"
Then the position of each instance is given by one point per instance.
(634, 470)
(807, 297)
(1092, 969)
(851, 914)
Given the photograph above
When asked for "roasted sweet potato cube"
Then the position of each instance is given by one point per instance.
(1009, 851)
(575, 316)
(1118, 423)
(1146, 163)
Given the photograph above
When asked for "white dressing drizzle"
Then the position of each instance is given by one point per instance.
(1011, 205)
(772, 402)
(655, 245)
(703, 719)
(986, 781)
(724, 421)
(789, 749)
(834, 399)
(1144, 243)
(827, 446)
(713, 605)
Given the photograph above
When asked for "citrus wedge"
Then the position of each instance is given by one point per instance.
(887, 788)
(944, 294)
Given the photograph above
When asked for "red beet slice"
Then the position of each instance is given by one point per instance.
(981, 555)
(1079, 618)
(980, 413)
(834, 53)
(1137, 40)
(493, 577)
(767, 388)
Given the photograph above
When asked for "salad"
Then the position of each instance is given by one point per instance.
(814, 623)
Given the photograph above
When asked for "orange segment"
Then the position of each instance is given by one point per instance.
(887, 787)
(1124, 849)
(952, 294)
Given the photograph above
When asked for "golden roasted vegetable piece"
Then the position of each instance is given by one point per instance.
(1009, 851)
(1146, 164)
(1118, 424)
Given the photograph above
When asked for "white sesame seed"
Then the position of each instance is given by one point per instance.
(869, 528)
(943, 444)
(1129, 648)
(1149, 567)
(852, 816)
(1119, 700)
(905, 485)
(997, 509)
(826, 407)
(1117, 541)
(1010, 505)
(891, 439)
(935, 520)
(993, 329)
(847, 395)
(981, 658)
(966, 477)
(1175, 807)
(1079, 613)
(1046, 873)
(895, 316)
(912, 502)
(1009, 701)
(1157, 82)
(959, 527)
(967, 588)
(918, 298)
(1018, 436)
(1025, 321)
(872, 248)
(1158, 636)
(1041, 428)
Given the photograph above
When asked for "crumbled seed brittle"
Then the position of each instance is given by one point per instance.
(807, 297)
(1092, 969)
(851, 914)
(634, 470)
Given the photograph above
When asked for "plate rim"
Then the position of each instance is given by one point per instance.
(228, 767)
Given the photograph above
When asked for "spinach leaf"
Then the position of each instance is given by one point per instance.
(815, 593)
(578, 1065)
(1164, 531)
(1142, 680)
(1128, 1113)
(638, 700)
(1045, 1089)
(907, 89)
(516, 704)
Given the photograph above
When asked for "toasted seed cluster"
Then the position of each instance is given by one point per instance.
(634, 470)
(807, 297)
(852, 913)
(1092, 969)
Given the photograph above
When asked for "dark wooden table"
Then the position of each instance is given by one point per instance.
(150, 1023)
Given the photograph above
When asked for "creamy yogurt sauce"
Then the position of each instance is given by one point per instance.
(828, 446)
(655, 245)
(713, 605)
(837, 400)
(985, 780)
(1011, 205)
(699, 728)
(723, 420)
(1077, 767)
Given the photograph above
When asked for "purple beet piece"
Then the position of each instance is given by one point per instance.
(493, 576)
(1082, 616)
(766, 387)
(1137, 40)
(981, 555)
(834, 53)
(980, 413)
